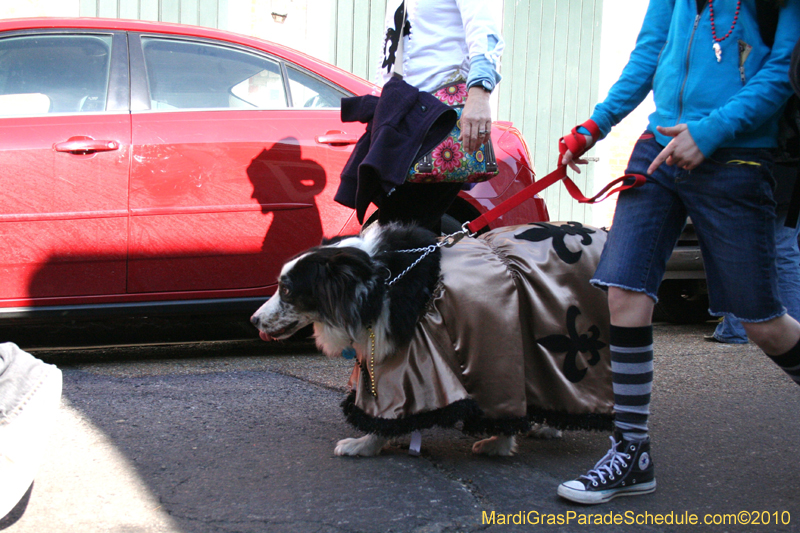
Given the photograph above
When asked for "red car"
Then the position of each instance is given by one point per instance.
(150, 166)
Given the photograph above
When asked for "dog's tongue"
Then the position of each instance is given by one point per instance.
(264, 336)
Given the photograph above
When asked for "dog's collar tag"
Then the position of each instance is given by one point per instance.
(416, 443)
(446, 241)
(453, 238)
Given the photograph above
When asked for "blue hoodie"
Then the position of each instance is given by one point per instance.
(732, 103)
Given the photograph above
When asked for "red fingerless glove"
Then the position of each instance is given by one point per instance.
(575, 142)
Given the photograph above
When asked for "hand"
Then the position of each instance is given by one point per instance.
(476, 119)
(568, 156)
(681, 150)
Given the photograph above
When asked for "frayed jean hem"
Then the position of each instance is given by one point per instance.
(748, 320)
(604, 286)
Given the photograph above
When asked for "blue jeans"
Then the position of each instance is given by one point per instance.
(730, 330)
(729, 198)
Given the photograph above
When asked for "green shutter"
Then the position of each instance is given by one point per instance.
(148, 10)
(358, 34)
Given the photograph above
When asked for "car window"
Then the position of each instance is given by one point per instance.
(54, 74)
(308, 91)
(193, 75)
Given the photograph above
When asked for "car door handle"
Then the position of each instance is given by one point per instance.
(85, 145)
(336, 138)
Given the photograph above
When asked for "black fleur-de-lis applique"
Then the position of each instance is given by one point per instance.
(557, 233)
(574, 344)
(393, 35)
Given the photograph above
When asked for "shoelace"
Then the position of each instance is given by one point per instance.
(608, 465)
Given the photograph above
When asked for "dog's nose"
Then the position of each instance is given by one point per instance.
(254, 320)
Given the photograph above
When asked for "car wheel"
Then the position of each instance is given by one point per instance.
(682, 301)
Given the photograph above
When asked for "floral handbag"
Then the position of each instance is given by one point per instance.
(449, 162)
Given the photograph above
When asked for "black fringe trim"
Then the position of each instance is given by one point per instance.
(567, 421)
(474, 423)
(462, 410)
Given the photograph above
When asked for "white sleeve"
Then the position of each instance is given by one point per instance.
(479, 23)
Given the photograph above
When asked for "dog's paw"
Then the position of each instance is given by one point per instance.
(502, 445)
(544, 432)
(366, 446)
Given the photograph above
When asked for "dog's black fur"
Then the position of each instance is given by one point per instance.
(409, 295)
(344, 282)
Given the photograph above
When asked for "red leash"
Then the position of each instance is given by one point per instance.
(575, 143)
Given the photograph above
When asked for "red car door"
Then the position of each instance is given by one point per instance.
(64, 155)
(229, 178)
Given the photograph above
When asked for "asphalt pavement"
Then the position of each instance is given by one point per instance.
(239, 437)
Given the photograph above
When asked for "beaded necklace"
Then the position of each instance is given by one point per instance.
(371, 371)
(716, 46)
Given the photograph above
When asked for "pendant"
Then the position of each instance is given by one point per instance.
(718, 51)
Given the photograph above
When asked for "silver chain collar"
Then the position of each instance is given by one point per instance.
(447, 241)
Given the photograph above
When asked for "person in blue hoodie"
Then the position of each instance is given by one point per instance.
(719, 91)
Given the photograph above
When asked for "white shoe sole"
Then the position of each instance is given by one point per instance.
(23, 440)
(602, 496)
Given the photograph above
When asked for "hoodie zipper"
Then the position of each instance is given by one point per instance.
(686, 78)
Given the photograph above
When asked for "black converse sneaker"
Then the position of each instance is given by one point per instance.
(626, 470)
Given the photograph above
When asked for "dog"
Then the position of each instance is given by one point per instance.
(491, 334)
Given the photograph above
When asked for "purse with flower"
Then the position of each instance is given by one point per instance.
(449, 162)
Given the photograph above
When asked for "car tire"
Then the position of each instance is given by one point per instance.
(682, 301)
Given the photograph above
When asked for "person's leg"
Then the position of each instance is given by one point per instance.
(631, 346)
(778, 338)
(788, 263)
(647, 223)
(734, 215)
(627, 468)
(730, 331)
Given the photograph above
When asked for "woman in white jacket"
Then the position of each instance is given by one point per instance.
(431, 43)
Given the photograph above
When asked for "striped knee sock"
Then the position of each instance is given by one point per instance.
(789, 362)
(632, 376)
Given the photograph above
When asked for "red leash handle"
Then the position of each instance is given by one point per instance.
(634, 180)
(575, 142)
(528, 192)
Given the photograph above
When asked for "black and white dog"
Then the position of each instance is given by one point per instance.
(342, 288)
(370, 291)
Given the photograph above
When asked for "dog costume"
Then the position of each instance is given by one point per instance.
(514, 334)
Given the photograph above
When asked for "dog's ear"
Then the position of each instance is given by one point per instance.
(349, 289)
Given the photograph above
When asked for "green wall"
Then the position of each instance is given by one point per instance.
(358, 39)
(550, 47)
(211, 13)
